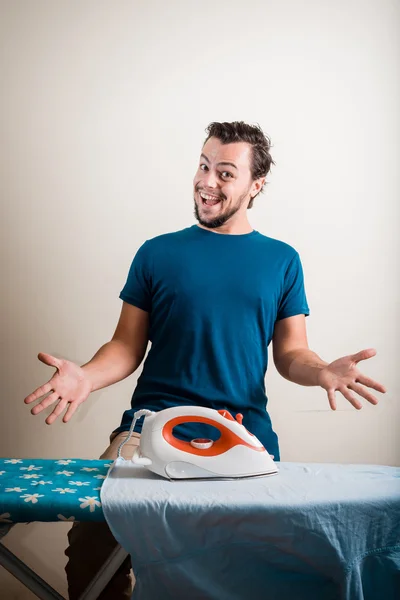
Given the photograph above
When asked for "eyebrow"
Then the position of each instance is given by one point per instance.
(220, 163)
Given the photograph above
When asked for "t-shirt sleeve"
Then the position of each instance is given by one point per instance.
(293, 301)
(137, 289)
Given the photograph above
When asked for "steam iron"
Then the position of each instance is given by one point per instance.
(237, 453)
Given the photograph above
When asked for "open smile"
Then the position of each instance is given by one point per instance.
(209, 200)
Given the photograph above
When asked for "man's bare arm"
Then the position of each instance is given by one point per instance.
(296, 362)
(121, 356)
(71, 384)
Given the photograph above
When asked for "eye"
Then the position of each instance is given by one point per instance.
(203, 168)
(226, 174)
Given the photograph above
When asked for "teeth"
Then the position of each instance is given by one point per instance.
(207, 197)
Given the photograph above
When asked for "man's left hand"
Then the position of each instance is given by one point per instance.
(343, 376)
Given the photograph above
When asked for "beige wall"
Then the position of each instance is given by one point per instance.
(103, 109)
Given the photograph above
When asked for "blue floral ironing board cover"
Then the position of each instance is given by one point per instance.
(33, 489)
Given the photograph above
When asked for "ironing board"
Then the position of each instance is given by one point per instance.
(52, 490)
(312, 532)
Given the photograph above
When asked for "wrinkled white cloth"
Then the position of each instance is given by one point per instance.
(312, 532)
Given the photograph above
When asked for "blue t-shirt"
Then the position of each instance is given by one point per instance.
(213, 301)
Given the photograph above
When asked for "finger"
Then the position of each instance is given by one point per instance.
(45, 403)
(60, 407)
(363, 355)
(350, 397)
(371, 383)
(332, 399)
(41, 391)
(50, 360)
(71, 409)
(362, 391)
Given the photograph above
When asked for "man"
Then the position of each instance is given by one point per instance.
(210, 298)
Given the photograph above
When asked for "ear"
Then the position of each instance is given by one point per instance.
(257, 186)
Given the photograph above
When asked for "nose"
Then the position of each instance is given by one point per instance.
(210, 180)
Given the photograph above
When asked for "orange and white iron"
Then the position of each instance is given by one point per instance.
(236, 453)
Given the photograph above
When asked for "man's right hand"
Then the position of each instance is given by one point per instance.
(70, 386)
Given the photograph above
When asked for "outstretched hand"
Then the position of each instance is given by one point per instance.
(69, 387)
(342, 375)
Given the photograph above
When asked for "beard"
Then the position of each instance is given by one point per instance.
(222, 218)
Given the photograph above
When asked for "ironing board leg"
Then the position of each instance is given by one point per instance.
(29, 578)
(43, 590)
(100, 580)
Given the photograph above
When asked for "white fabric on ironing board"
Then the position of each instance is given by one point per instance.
(313, 531)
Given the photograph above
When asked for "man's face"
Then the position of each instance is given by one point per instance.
(223, 185)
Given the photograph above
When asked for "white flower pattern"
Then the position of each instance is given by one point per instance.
(32, 497)
(41, 482)
(55, 497)
(79, 483)
(30, 468)
(90, 501)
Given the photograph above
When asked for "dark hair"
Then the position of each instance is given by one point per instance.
(239, 131)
